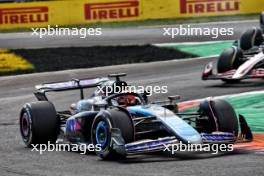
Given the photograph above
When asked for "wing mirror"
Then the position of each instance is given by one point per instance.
(100, 105)
(174, 98)
(145, 95)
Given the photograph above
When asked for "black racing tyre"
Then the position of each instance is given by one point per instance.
(221, 117)
(39, 123)
(101, 131)
(229, 59)
(262, 21)
(250, 38)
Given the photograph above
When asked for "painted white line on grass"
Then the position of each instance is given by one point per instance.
(192, 43)
(228, 96)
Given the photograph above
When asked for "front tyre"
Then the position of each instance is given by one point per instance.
(39, 123)
(101, 132)
(228, 60)
(221, 117)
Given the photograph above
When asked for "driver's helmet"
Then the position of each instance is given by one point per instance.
(127, 100)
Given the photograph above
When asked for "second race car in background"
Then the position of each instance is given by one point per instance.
(244, 60)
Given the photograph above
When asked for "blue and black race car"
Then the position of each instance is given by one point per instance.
(126, 123)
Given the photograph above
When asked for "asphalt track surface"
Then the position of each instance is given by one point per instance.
(122, 36)
(182, 77)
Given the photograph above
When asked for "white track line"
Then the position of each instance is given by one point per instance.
(228, 96)
(192, 43)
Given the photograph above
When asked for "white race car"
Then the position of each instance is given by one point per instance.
(244, 60)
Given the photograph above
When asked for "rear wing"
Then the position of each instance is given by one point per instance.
(73, 84)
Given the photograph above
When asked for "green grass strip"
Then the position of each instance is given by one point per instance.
(203, 49)
(251, 106)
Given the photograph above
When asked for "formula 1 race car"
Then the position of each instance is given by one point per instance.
(243, 61)
(125, 123)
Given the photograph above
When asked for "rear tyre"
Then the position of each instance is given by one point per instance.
(221, 117)
(101, 132)
(39, 123)
(252, 37)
